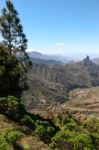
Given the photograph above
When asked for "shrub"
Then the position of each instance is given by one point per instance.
(3, 144)
(66, 119)
(8, 138)
(44, 130)
(95, 140)
(12, 136)
(71, 140)
(9, 105)
(92, 124)
(28, 121)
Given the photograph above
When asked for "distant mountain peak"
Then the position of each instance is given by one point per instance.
(60, 59)
(35, 52)
(87, 58)
(87, 61)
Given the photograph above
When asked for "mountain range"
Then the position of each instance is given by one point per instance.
(50, 84)
(96, 61)
(84, 73)
(39, 58)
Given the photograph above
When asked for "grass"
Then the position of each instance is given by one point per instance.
(13, 135)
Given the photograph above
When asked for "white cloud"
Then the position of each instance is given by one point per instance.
(29, 50)
(60, 44)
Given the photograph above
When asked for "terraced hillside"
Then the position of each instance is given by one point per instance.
(84, 101)
(49, 84)
(81, 102)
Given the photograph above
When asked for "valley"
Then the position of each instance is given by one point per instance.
(56, 89)
(49, 82)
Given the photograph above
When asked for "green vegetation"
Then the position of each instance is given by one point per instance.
(3, 144)
(14, 61)
(9, 138)
(12, 136)
(60, 133)
(9, 105)
(63, 132)
(74, 135)
(44, 130)
(28, 121)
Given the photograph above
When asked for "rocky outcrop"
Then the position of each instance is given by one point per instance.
(80, 74)
(44, 94)
(49, 84)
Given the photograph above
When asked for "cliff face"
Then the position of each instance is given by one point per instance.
(44, 94)
(49, 84)
(84, 73)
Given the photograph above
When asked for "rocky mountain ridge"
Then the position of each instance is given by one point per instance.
(50, 84)
(37, 56)
(80, 74)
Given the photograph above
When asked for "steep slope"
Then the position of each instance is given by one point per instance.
(50, 86)
(44, 61)
(43, 94)
(80, 74)
(83, 101)
(37, 55)
(96, 61)
(10, 130)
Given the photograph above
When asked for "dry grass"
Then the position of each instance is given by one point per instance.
(28, 141)
(33, 143)
(84, 101)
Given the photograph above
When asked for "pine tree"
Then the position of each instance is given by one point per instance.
(13, 57)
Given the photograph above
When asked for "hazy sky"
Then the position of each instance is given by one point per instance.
(63, 27)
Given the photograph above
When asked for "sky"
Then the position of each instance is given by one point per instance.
(61, 27)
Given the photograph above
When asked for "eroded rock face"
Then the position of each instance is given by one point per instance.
(43, 94)
(49, 84)
(84, 73)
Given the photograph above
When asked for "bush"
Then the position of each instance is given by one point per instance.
(44, 130)
(76, 136)
(26, 120)
(66, 120)
(9, 105)
(3, 144)
(13, 136)
(71, 140)
(95, 140)
(8, 138)
(92, 124)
